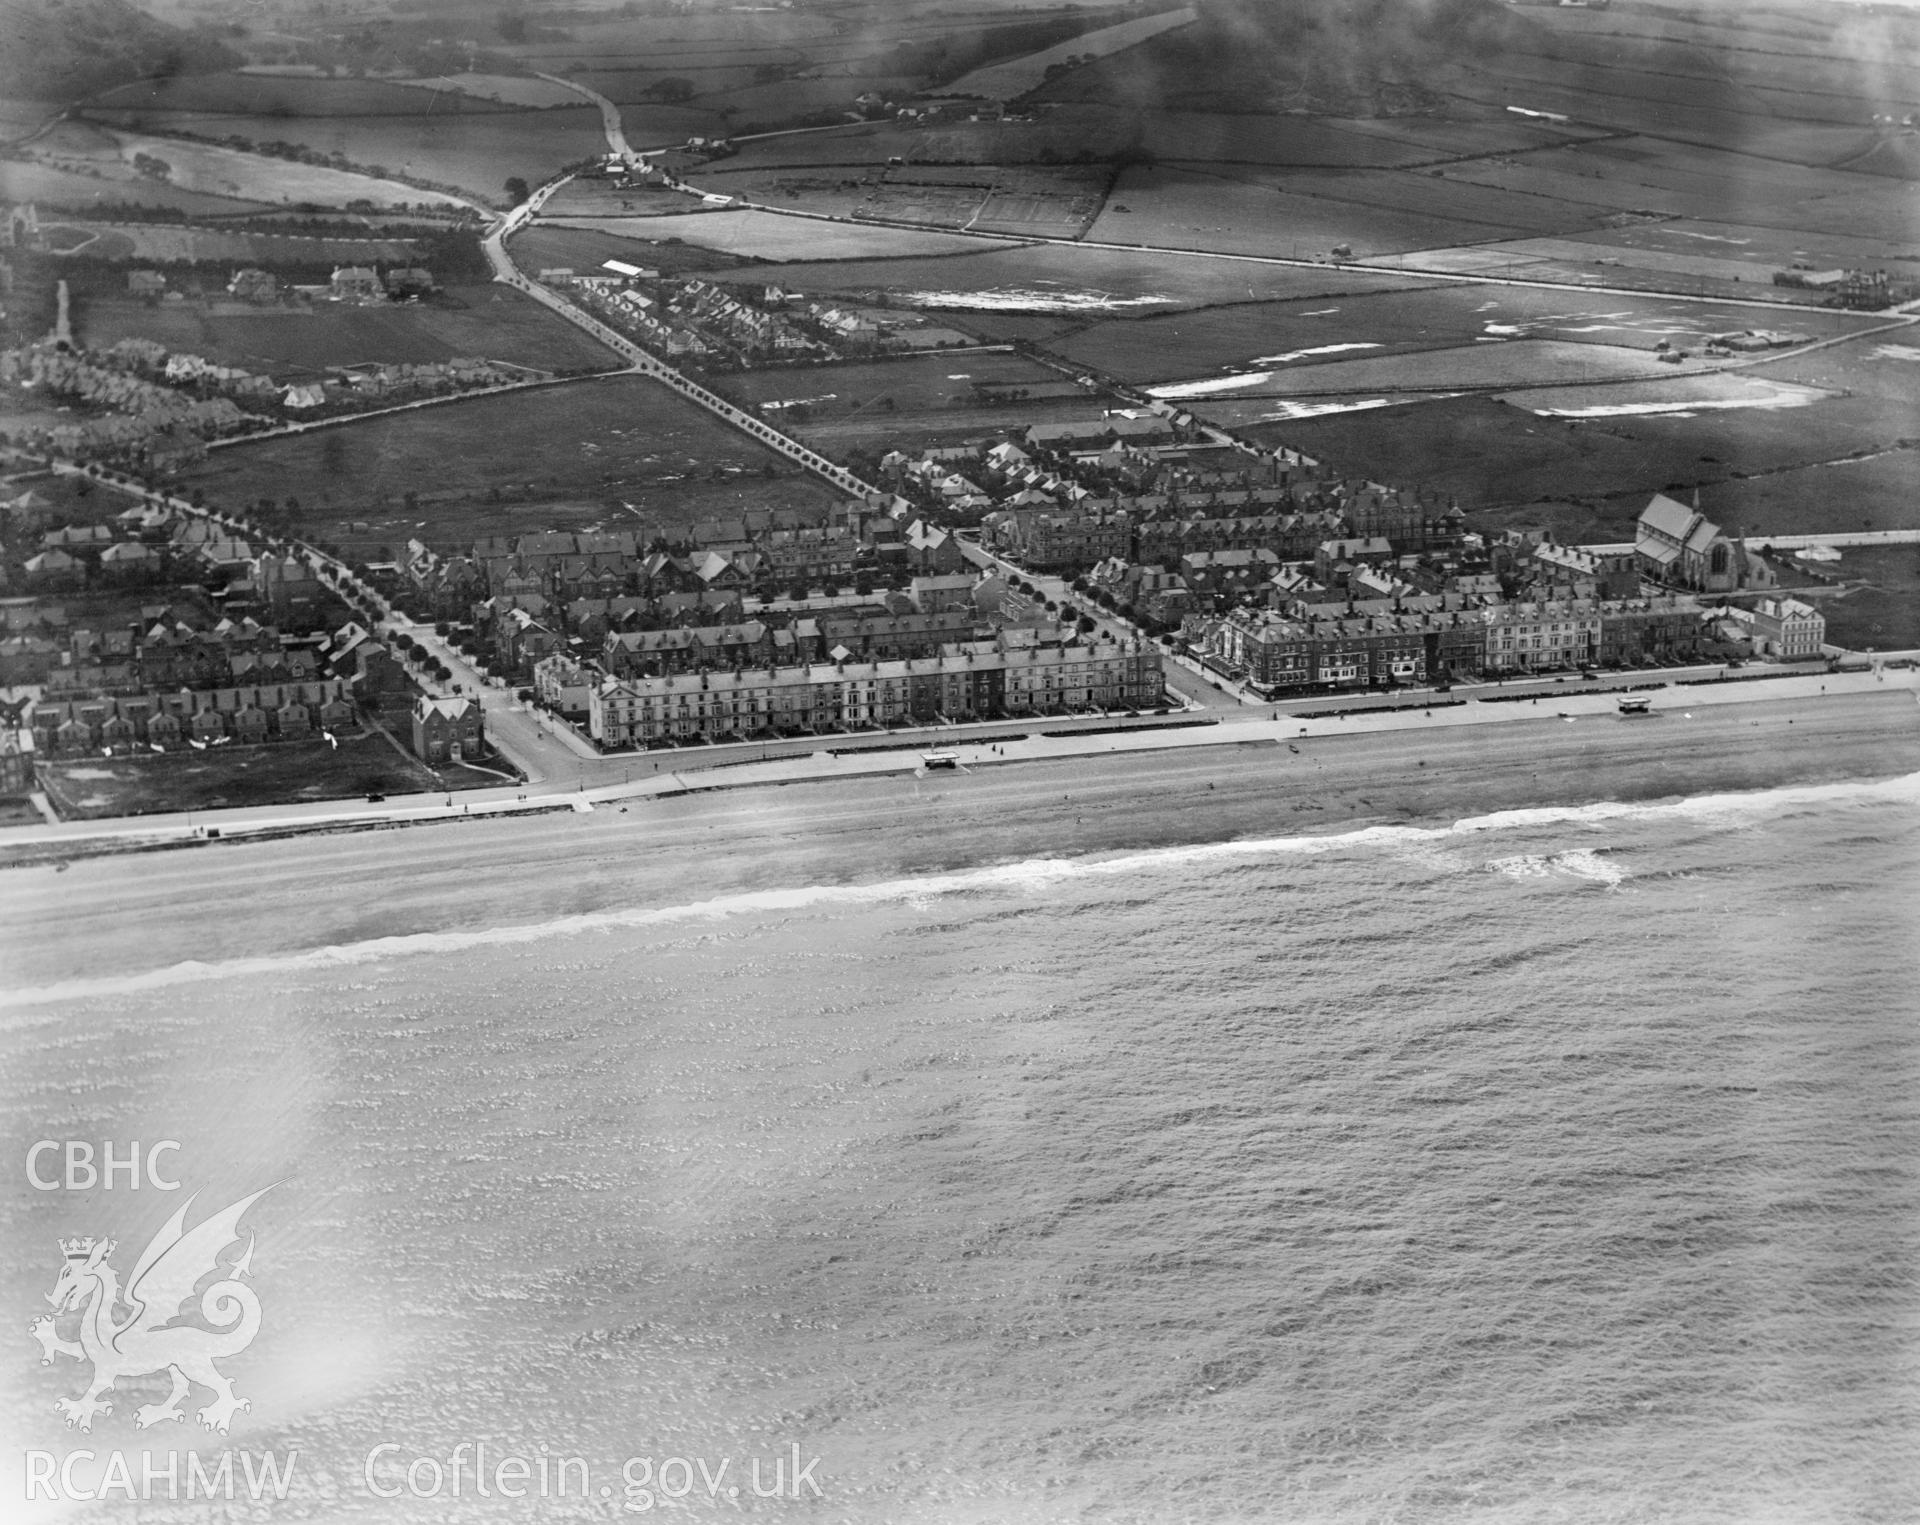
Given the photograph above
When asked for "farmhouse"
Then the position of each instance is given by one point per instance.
(355, 283)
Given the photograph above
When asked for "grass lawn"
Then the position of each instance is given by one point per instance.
(280, 773)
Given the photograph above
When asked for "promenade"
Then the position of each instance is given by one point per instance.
(638, 779)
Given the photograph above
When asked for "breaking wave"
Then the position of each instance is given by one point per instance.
(1028, 876)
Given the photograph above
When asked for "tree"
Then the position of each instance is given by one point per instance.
(673, 89)
(517, 191)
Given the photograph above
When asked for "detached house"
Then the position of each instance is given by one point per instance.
(254, 285)
(1788, 628)
(447, 730)
(358, 283)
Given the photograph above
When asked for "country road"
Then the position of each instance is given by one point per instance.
(641, 362)
(609, 113)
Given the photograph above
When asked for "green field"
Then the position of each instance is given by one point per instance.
(1802, 470)
(49, 186)
(1076, 282)
(1243, 336)
(482, 322)
(1305, 214)
(1885, 365)
(770, 236)
(562, 457)
(283, 98)
(1019, 200)
(548, 247)
(472, 151)
(229, 172)
(165, 244)
(889, 388)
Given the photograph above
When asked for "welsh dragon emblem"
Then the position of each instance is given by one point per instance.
(145, 1338)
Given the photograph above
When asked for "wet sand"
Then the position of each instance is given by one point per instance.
(110, 916)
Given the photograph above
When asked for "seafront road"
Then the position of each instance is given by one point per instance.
(1578, 712)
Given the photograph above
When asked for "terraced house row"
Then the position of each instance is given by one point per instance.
(1002, 677)
(1298, 649)
(251, 713)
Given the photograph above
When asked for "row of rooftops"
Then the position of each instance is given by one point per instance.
(971, 657)
(1411, 615)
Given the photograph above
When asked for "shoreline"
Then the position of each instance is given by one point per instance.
(118, 915)
(25, 847)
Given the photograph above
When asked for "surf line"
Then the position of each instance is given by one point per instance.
(1019, 877)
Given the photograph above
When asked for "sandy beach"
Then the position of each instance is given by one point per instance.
(110, 916)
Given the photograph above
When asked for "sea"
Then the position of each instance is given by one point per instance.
(1562, 1164)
